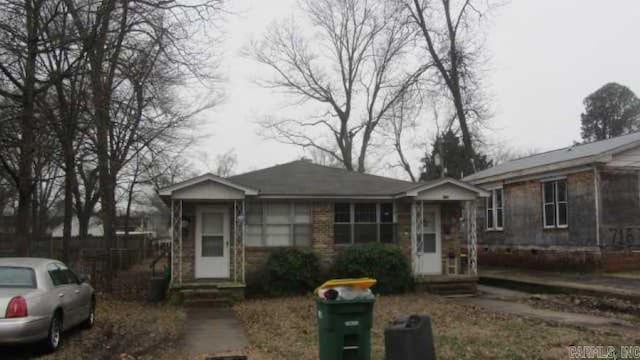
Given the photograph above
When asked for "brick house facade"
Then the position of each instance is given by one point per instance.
(225, 229)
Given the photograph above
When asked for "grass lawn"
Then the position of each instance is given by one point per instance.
(286, 329)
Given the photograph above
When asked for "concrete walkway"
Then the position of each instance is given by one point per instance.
(621, 287)
(213, 331)
(502, 301)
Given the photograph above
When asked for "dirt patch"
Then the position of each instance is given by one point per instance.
(123, 330)
(286, 329)
(600, 306)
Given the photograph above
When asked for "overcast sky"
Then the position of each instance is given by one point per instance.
(545, 57)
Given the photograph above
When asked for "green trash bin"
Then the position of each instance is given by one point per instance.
(344, 329)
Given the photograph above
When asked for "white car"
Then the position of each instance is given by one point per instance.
(41, 298)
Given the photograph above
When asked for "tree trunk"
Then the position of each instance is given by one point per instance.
(69, 176)
(27, 128)
(83, 226)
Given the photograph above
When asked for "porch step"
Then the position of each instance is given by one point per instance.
(448, 285)
(210, 294)
(209, 303)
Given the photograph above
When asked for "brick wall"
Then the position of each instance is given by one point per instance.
(322, 241)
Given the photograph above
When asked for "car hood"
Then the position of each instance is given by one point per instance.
(6, 294)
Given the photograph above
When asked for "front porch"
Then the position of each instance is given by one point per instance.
(207, 244)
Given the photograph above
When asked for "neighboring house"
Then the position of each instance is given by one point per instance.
(94, 230)
(576, 208)
(225, 228)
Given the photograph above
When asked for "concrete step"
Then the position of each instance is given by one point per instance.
(208, 302)
(454, 288)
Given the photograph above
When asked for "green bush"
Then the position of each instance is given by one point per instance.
(385, 263)
(287, 272)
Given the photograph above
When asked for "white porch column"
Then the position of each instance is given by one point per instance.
(238, 240)
(472, 237)
(412, 239)
(235, 241)
(176, 240)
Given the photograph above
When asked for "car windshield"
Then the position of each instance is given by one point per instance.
(13, 276)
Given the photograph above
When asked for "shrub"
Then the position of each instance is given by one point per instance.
(385, 263)
(289, 272)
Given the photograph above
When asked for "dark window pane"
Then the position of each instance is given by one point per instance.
(498, 198)
(342, 233)
(489, 219)
(365, 213)
(386, 212)
(387, 233)
(562, 214)
(549, 192)
(58, 277)
(490, 202)
(212, 246)
(549, 215)
(499, 219)
(342, 213)
(71, 277)
(428, 244)
(302, 234)
(365, 233)
(562, 190)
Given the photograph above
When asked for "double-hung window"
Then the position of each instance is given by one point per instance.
(359, 223)
(278, 224)
(495, 210)
(554, 204)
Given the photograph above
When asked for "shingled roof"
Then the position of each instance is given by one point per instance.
(303, 178)
(565, 157)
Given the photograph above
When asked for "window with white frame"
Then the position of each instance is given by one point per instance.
(278, 224)
(495, 210)
(554, 204)
(359, 223)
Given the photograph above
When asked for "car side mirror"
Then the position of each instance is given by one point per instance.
(84, 278)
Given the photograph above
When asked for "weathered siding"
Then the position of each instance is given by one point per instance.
(523, 224)
(620, 210)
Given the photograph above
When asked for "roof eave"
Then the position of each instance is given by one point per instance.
(540, 170)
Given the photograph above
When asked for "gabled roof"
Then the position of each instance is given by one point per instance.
(303, 178)
(576, 155)
(428, 185)
(203, 178)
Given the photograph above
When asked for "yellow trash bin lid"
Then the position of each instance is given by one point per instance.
(360, 283)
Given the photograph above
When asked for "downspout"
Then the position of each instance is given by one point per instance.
(596, 188)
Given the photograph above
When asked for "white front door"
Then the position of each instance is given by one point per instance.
(428, 246)
(212, 242)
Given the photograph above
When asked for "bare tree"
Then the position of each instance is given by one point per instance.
(452, 34)
(223, 165)
(354, 69)
(125, 42)
(20, 45)
(402, 119)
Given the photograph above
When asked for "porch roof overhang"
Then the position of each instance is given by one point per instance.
(206, 187)
(445, 189)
